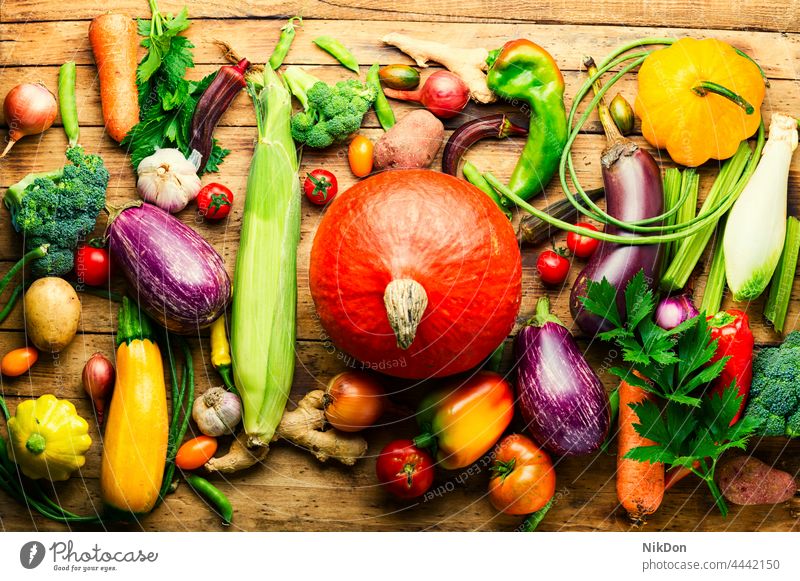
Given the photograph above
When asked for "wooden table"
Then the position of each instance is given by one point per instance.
(292, 491)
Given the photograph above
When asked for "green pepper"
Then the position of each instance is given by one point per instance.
(524, 71)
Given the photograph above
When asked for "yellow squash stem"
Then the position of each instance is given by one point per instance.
(265, 289)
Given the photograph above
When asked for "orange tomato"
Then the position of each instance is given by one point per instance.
(523, 478)
(195, 452)
(18, 361)
(359, 154)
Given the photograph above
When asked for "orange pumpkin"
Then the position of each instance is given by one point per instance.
(698, 99)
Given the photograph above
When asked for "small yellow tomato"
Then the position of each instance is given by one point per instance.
(359, 154)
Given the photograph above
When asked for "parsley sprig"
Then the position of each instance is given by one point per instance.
(689, 429)
(166, 100)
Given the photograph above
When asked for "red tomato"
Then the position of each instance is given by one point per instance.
(214, 201)
(405, 470)
(523, 478)
(359, 154)
(552, 267)
(582, 246)
(92, 265)
(320, 186)
(196, 452)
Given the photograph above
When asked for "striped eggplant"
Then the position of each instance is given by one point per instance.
(561, 398)
(173, 272)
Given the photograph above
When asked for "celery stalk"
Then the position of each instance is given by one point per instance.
(780, 290)
(265, 286)
(715, 284)
(672, 193)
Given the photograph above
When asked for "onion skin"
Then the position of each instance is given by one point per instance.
(353, 401)
(98, 382)
(444, 94)
(497, 126)
(30, 109)
(672, 311)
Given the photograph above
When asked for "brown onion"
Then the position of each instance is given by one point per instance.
(98, 381)
(444, 94)
(30, 108)
(354, 400)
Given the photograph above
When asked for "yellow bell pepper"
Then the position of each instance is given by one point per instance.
(48, 439)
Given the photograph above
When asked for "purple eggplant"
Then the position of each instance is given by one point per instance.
(174, 273)
(561, 398)
(634, 191)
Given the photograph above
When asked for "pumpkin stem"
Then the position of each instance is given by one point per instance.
(405, 302)
(706, 87)
(610, 128)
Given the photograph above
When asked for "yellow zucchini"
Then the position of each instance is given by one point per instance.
(136, 431)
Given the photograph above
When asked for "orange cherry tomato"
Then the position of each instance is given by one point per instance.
(196, 452)
(359, 154)
(523, 478)
(18, 361)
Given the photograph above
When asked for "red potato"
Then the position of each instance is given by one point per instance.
(745, 480)
(411, 144)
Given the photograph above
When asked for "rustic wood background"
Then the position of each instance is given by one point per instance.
(292, 491)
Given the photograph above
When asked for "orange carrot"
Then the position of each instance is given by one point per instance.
(115, 44)
(640, 485)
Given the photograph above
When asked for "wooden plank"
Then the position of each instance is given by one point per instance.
(754, 15)
(22, 44)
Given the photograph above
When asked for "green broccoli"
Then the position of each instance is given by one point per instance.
(330, 113)
(775, 390)
(59, 208)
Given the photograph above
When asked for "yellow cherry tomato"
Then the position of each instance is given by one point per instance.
(18, 361)
(359, 155)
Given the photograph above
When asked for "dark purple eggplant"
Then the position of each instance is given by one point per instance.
(561, 398)
(214, 101)
(174, 273)
(634, 191)
(496, 126)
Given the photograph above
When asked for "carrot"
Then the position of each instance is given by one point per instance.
(115, 44)
(640, 485)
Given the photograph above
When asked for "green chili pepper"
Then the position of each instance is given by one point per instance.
(338, 51)
(532, 520)
(284, 42)
(67, 102)
(473, 175)
(524, 71)
(383, 111)
(218, 501)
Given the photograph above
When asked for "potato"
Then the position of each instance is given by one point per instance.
(52, 313)
(746, 480)
(411, 144)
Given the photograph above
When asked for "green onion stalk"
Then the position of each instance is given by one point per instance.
(264, 287)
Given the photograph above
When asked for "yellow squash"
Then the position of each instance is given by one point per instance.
(47, 438)
(698, 99)
(135, 437)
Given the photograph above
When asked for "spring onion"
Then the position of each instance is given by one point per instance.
(264, 288)
(756, 228)
(780, 290)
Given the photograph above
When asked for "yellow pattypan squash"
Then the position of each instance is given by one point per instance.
(47, 438)
(698, 99)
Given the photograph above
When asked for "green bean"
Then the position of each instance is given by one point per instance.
(217, 500)
(383, 111)
(473, 175)
(338, 51)
(284, 42)
(67, 102)
(12, 301)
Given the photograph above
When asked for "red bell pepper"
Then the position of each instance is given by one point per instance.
(731, 329)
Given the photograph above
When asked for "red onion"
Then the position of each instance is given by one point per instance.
(444, 94)
(30, 108)
(98, 381)
(672, 311)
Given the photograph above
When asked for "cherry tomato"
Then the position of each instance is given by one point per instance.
(195, 452)
(405, 470)
(359, 154)
(92, 265)
(552, 267)
(523, 478)
(320, 186)
(582, 246)
(18, 361)
(214, 201)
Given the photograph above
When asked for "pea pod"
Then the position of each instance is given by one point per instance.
(67, 102)
(288, 33)
(383, 111)
(401, 77)
(338, 51)
(215, 497)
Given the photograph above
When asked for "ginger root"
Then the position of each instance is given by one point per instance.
(303, 426)
(467, 63)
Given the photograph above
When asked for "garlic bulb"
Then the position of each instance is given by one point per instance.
(168, 180)
(217, 412)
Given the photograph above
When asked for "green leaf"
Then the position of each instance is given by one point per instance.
(601, 300)
(651, 423)
(215, 158)
(639, 300)
(652, 454)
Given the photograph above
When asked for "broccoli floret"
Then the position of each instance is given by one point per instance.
(59, 208)
(331, 113)
(775, 390)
